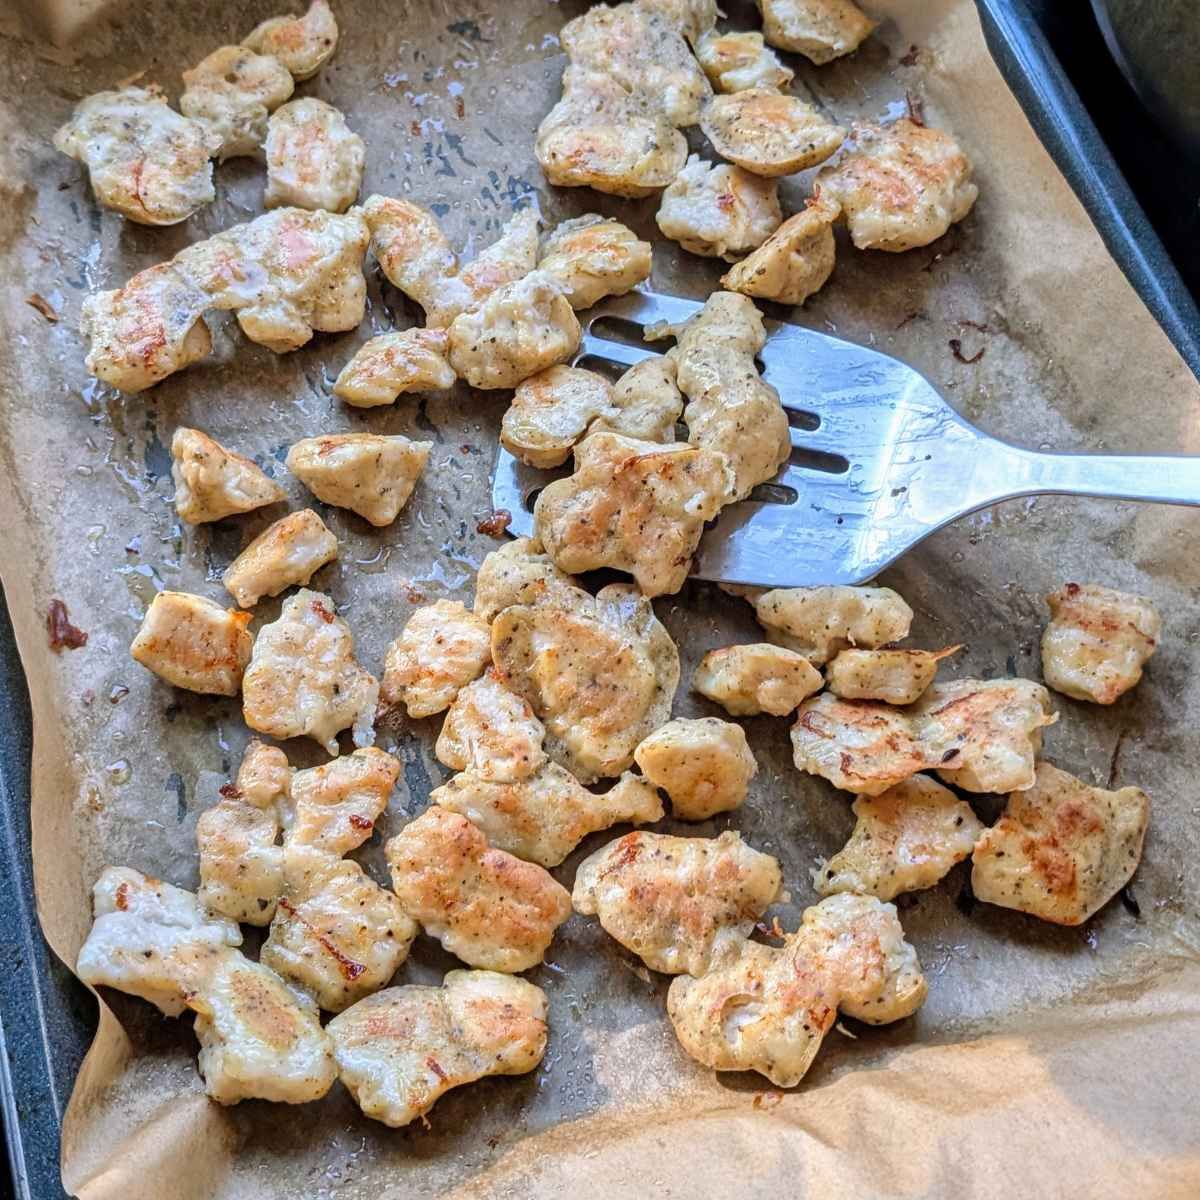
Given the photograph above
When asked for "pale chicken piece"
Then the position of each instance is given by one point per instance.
(303, 679)
(794, 262)
(333, 808)
(232, 92)
(491, 909)
(259, 1038)
(593, 257)
(314, 159)
(443, 647)
(241, 867)
(893, 676)
(286, 553)
(492, 732)
(212, 482)
(693, 18)
(413, 360)
(151, 939)
(521, 572)
(371, 474)
(703, 764)
(144, 160)
(719, 211)
(520, 329)
(544, 817)
(758, 678)
(638, 507)
(734, 62)
(769, 133)
(600, 672)
(152, 327)
(905, 839)
(1097, 641)
(680, 904)
(821, 30)
(901, 186)
(551, 411)
(1061, 849)
(303, 44)
(194, 643)
(646, 403)
(401, 1049)
(600, 136)
(511, 257)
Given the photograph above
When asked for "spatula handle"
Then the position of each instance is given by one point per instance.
(1159, 478)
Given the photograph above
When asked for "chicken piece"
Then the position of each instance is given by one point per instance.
(769, 133)
(212, 482)
(730, 409)
(241, 867)
(401, 1049)
(646, 403)
(286, 553)
(520, 329)
(693, 18)
(638, 507)
(371, 474)
(152, 327)
(259, 1039)
(1097, 641)
(768, 1009)
(893, 676)
(340, 936)
(599, 135)
(151, 939)
(592, 257)
(551, 411)
(333, 808)
(905, 839)
(231, 93)
(303, 44)
(1061, 849)
(144, 160)
(491, 732)
(734, 62)
(543, 817)
(314, 159)
(491, 909)
(506, 261)
(442, 648)
(902, 185)
(820, 622)
(794, 262)
(303, 680)
(821, 30)
(759, 678)
(704, 765)
(719, 211)
(600, 672)
(521, 572)
(680, 904)
(413, 360)
(194, 643)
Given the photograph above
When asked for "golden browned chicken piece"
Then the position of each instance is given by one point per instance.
(144, 160)
(314, 159)
(491, 909)
(719, 211)
(704, 765)
(401, 1049)
(231, 93)
(551, 411)
(442, 648)
(821, 30)
(521, 572)
(759, 678)
(287, 553)
(734, 62)
(194, 643)
(593, 257)
(212, 482)
(303, 44)
(901, 186)
(680, 904)
(413, 360)
(768, 132)
(1061, 849)
(492, 732)
(893, 676)
(303, 680)
(600, 672)
(371, 474)
(646, 403)
(1097, 641)
(333, 808)
(905, 840)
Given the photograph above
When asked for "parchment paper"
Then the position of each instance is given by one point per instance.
(1047, 1062)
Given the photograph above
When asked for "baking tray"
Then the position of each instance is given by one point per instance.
(47, 1017)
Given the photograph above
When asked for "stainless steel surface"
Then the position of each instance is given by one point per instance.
(879, 459)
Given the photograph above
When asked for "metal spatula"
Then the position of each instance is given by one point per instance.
(879, 460)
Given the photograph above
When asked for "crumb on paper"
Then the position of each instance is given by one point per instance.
(495, 525)
(38, 301)
(62, 633)
(957, 350)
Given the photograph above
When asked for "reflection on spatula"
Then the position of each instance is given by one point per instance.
(879, 460)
